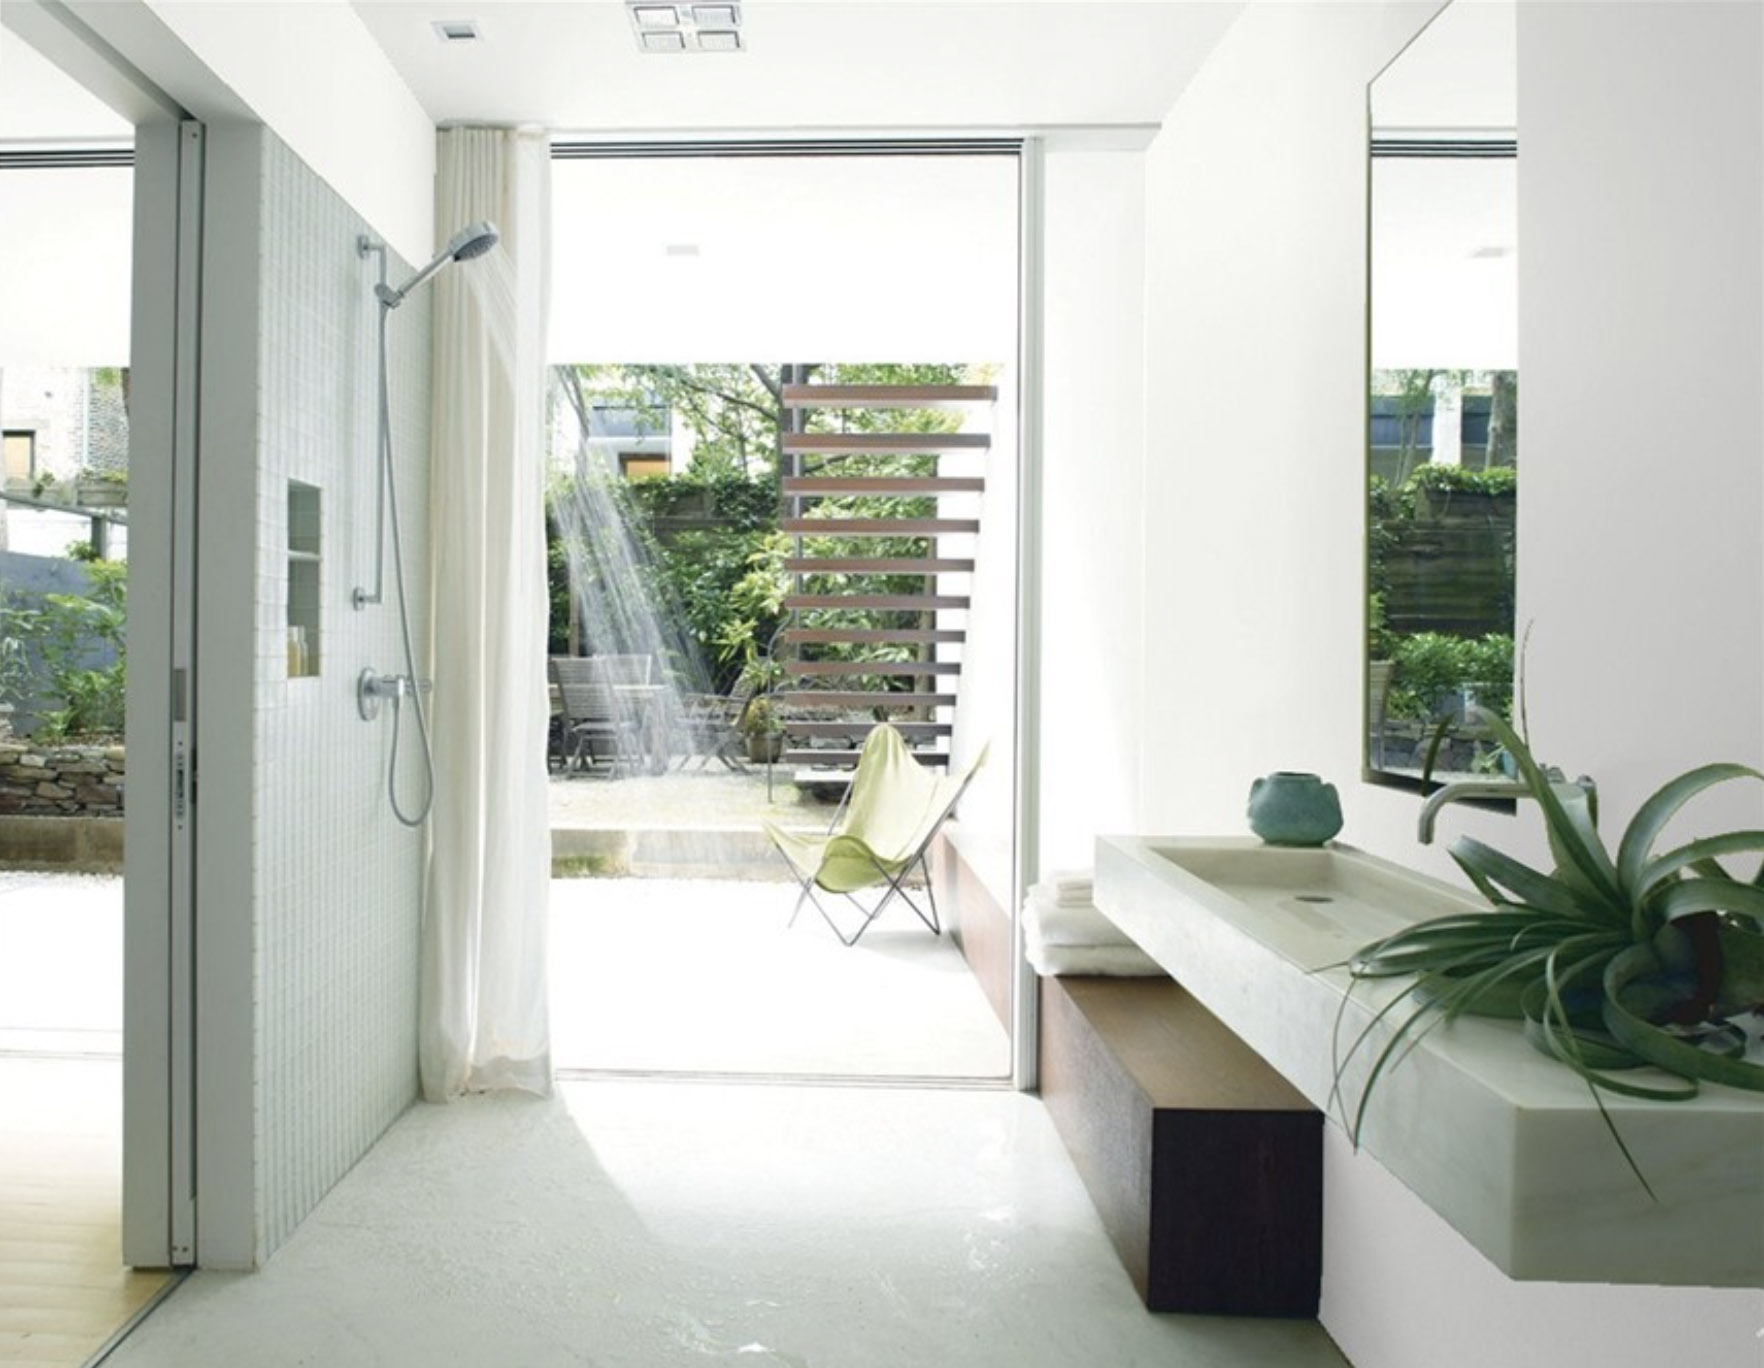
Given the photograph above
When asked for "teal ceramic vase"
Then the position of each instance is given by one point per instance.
(1290, 809)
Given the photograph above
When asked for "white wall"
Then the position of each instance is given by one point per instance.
(1640, 352)
(1255, 371)
(986, 714)
(1642, 390)
(368, 138)
(309, 897)
(1092, 582)
(311, 71)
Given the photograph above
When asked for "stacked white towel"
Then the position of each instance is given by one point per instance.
(1072, 887)
(1065, 934)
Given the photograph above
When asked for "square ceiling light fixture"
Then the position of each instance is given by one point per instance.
(685, 28)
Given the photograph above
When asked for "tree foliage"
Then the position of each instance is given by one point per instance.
(65, 657)
(726, 573)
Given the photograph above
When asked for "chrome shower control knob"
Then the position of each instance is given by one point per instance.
(371, 690)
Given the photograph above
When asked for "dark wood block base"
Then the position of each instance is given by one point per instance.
(1205, 1165)
(978, 922)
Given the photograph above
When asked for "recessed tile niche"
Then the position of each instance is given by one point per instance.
(303, 580)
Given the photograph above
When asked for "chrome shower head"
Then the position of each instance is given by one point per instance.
(471, 241)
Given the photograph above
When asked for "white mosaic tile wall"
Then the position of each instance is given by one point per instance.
(337, 880)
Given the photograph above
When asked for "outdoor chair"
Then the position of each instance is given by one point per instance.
(594, 724)
(713, 723)
(880, 835)
(625, 669)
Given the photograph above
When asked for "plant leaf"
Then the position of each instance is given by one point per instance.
(1534, 889)
(1700, 855)
(1652, 817)
(1659, 1047)
(1573, 838)
(1742, 970)
(1710, 895)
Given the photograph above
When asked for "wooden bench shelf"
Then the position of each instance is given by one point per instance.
(1205, 1165)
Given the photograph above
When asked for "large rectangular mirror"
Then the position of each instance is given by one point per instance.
(1443, 390)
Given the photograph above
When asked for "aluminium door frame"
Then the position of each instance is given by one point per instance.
(1029, 150)
(158, 992)
(1026, 814)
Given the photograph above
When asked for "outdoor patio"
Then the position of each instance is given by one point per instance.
(712, 797)
(683, 823)
(648, 974)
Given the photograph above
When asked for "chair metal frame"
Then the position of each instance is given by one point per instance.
(713, 721)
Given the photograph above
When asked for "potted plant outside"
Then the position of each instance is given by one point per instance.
(1612, 962)
(763, 732)
(102, 488)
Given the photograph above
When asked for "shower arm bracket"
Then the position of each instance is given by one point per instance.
(359, 597)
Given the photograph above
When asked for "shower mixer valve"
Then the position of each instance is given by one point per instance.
(372, 690)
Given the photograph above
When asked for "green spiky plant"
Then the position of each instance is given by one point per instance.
(1611, 963)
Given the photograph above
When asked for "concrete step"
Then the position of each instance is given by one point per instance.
(660, 853)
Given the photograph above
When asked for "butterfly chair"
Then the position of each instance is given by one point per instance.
(879, 836)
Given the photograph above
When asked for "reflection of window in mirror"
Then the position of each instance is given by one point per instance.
(1442, 444)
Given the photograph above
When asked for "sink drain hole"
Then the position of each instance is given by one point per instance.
(1315, 898)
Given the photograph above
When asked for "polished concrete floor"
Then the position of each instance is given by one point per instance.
(649, 1224)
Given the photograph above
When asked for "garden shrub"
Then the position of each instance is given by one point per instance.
(1434, 667)
(66, 657)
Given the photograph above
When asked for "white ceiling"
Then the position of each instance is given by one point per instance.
(932, 255)
(809, 64)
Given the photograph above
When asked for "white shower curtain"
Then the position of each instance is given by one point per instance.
(484, 1017)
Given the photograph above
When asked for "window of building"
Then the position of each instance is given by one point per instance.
(643, 465)
(21, 455)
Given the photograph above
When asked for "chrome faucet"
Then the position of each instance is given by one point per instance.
(1500, 788)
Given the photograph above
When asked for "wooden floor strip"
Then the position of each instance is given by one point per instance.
(64, 1292)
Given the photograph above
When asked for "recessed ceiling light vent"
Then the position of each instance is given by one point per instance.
(456, 30)
(685, 27)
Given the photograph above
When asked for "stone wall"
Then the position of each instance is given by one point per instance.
(60, 780)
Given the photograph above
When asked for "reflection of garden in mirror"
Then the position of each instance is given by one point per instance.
(1443, 400)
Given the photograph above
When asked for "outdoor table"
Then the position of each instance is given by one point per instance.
(646, 705)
